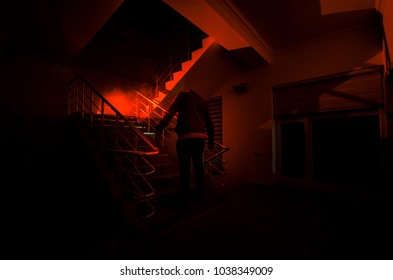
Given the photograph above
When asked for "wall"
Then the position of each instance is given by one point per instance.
(247, 127)
(37, 88)
(387, 11)
(248, 117)
(34, 87)
(118, 90)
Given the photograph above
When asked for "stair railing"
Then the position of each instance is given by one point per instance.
(86, 101)
(214, 162)
(155, 113)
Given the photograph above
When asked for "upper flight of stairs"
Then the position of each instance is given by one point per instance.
(177, 76)
(186, 65)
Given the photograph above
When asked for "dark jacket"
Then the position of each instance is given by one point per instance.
(193, 117)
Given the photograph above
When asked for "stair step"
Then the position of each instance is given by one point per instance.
(185, 66)
(206, 42)
(178, 75)
(160, 97)
(195, 55)
(170, 84)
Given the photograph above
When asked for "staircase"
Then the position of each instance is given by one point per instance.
(186, 65)
(140, 170)
(165, 82)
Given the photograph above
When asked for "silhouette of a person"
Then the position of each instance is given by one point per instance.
(193, 124)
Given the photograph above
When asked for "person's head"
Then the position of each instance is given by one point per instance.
(189, 90)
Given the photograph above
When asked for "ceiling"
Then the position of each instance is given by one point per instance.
(271, 26)
(121, 35)
(283, 23)
(138, 40)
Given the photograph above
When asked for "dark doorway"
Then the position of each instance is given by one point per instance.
(346, 151)
(293, 150)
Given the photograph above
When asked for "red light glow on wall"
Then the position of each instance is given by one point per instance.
(123, 101)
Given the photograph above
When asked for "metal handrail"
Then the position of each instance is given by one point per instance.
(163, 111)
(149, 100)
(174, 117)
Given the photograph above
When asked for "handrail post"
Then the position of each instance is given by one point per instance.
(157, 87)
(171, 69)
(69, 102)
(91, 101)
(148, 117)
(163, 131)
(102, 124)
(117, 129)
(83, 100)
(137, 113)
(91, 109)
(77, 97)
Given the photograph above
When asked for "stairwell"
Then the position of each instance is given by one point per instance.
(140, 170)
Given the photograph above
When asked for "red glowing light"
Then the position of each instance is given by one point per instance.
(123, 101)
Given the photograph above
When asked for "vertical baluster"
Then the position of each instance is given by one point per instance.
(163, 131)
(148, 116)
(76, 97)
(117, 130)
(83, 100)
(91, 108)
(102, 125)
(137, 108)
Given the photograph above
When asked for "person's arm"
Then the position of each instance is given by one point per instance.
(173, 108)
